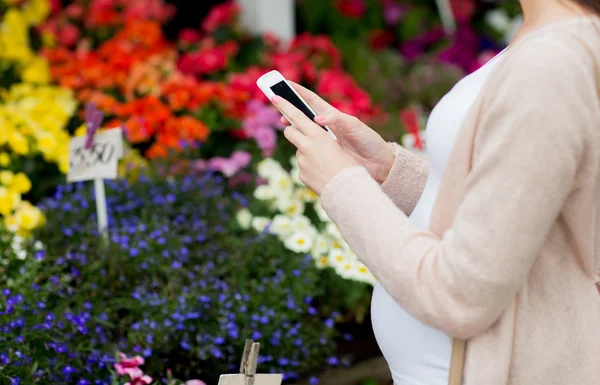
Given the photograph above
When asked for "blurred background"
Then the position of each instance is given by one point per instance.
(211, 236)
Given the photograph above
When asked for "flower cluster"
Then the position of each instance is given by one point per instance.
(289, 202)
(20, 216)
(33, 117)
(204, 286)
(83, 20)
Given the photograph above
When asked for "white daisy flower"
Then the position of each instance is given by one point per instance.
(322, 262)
(268, 168)
(282, 184)
(260, 223)
(321, 245)
(303, 224)
(244, 218)
(264, 193)
(300, 242)
(290, 206)
(306, 195)
(294, 161)
(295, 174)
(321, 213)
(337, 257)
(281, 225)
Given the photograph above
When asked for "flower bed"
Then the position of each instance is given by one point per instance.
(178, 283)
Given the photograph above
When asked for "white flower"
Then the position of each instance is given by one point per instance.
(306, 195)
(321, 212)
(290, 206)
(260, 223)
(37, 246)
(321, 245)
(281, 225)
(18, 247)
(302, 224)
(282, 185)
(244, 218)
(300, 242)
(264, 193)
(498, 19)
(322, 262)
(337, 257)
(362, 274)
(268, 168)
(295, 174)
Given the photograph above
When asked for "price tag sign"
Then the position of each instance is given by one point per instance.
(100, 161)
(259, 379)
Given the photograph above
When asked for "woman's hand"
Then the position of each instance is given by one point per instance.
(365, 145)
(319, 157)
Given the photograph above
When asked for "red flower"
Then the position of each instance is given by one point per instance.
(68, 35)
(352, 8)
(221, 15)
(463, 9)
(380, 39)
(189, 36)
(410, 119)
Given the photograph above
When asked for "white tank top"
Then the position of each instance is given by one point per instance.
(417, 353)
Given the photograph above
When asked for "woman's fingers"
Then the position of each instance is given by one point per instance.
(294, 136)
(314, 100)
(296, 117)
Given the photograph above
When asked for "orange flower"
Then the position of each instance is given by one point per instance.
(157, 151)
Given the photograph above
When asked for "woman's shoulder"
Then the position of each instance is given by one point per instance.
(568, 50)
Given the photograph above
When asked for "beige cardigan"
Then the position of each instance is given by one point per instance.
(511, 260)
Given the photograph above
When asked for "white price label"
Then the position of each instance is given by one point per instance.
(98, 162)
(259, 379)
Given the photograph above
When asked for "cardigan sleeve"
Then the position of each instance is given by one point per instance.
(530, 143)
(407, 178)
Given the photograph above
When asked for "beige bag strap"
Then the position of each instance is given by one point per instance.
(457, 362)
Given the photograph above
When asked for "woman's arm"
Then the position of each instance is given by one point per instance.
(529, 146)
(407, 178)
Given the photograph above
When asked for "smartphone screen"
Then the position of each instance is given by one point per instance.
(283, 90)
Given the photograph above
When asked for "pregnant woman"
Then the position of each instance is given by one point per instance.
(487, 253)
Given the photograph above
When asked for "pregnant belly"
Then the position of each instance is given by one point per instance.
(417, 353)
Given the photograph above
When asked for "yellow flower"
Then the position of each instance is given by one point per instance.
(36, 11)
(7, 201)
(46, 143)
(4, 159)
(29, 217)
(37, 71)
(6, 177)
(10, 222)
(18, 142)
(21, 183)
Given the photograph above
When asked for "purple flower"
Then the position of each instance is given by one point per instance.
(393, 12)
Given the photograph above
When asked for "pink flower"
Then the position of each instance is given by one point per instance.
(228, 166)
(189, 36)
(74, 11)
(195, 382)
(221, 15)
(68, 35)
(266, 140)
(393, 12)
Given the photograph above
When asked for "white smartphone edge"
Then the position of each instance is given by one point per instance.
(273, 77)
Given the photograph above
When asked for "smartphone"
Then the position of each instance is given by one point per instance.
(273, 83)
